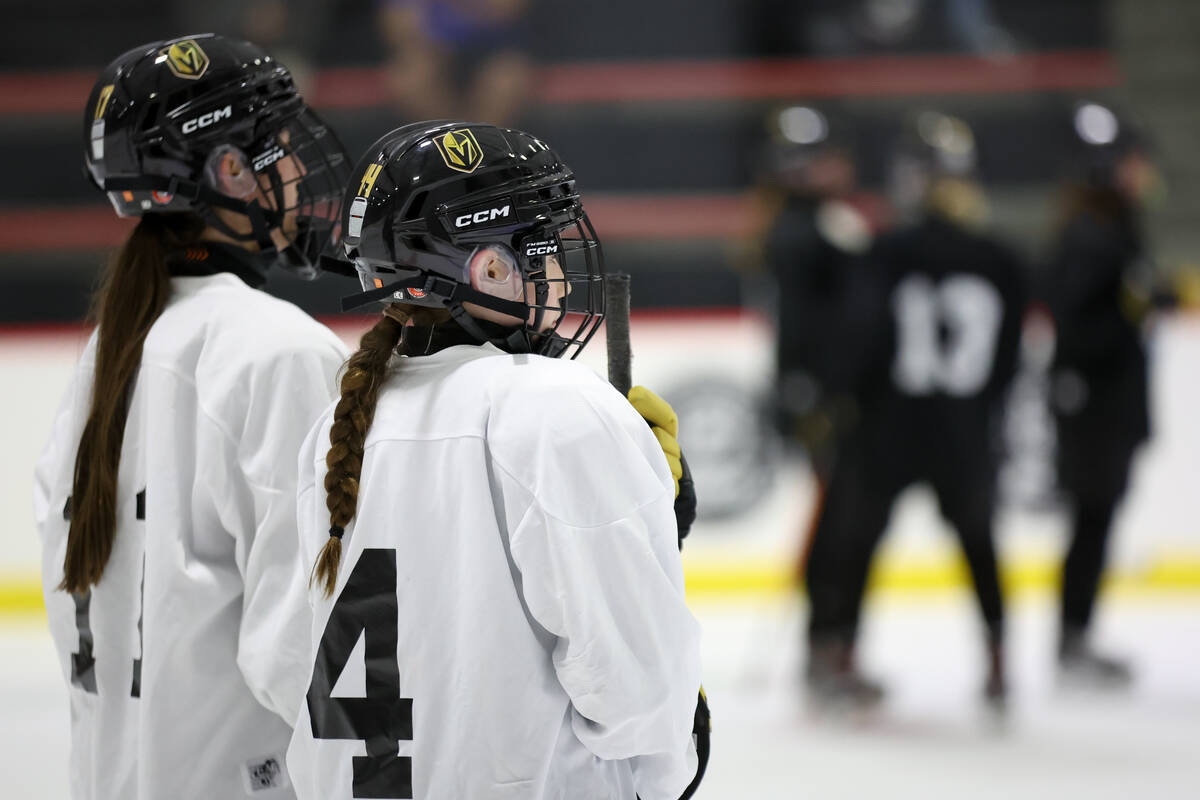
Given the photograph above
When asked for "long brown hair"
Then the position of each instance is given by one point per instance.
(131, 295)
(361, 381)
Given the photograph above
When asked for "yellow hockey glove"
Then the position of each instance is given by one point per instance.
(663, 423)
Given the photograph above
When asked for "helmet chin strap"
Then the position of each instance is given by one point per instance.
(290, 257)
(515, 341)
(452, 295)
(260, 229)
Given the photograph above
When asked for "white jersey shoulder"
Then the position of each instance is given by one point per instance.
(241, 346)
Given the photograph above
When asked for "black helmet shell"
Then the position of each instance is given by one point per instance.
(158, 112)
(426, 195)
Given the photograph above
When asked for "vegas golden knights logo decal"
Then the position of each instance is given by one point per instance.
(459, 150)
(186, 59)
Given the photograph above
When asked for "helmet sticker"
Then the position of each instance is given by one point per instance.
(459, 150)
(541, 247)
(359, 207)
(185, 59)
(102, 102)
(483, 216)
(267, 157)
(206, 119)
(97, 124)
(97, 137)
(368, 181)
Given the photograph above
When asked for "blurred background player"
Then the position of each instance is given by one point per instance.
(825, 307)
(165, 499)
(953, 305)
(814, 250)
(1100, 286)
(539, 536)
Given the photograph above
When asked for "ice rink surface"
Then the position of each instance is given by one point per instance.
(932, 740)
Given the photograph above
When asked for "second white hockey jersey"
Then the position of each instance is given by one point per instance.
(183, 680)
(509, 621)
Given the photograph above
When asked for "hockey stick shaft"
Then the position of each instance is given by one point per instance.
(616, 332)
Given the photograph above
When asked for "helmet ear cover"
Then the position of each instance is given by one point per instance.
(492, 269)
(240, 183)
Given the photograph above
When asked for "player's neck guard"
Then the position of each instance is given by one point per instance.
(210, 258)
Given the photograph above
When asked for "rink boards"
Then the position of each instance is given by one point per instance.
(715, 366)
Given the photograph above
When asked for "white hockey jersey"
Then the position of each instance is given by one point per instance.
(509, 620)
(181, 670)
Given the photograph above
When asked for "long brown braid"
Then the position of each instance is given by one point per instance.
(361, 381)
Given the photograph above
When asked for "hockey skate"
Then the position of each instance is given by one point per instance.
(1080, 666)
(834, 682)
(995, 686)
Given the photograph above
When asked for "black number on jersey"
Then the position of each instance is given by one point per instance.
(946, 334)
(83, 663)
(366, 607)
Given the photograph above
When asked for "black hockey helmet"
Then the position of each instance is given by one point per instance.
(163, 115)
(798, 135)
(1099, 138)
(937, 144)
(428, 199)
(932, 146)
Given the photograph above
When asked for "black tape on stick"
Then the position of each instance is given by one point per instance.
(616, 321)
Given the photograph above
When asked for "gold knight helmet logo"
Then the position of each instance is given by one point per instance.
(186, 59)
(460, 150)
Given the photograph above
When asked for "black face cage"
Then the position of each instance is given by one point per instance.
(568, 302)
(302, 170)
(577, 314)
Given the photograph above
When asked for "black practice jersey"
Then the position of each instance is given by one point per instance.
(955, 301)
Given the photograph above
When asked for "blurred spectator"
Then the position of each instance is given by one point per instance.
(1099, 290)
(291, 30)
(460, 59)
(974, 28)
(950, 333)
(841, 28)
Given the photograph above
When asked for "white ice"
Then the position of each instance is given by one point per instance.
(932, 740)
